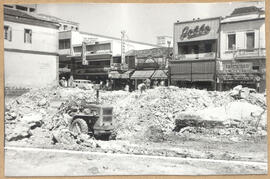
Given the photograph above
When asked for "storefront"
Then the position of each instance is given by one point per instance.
(120, 79)
(242, 49)
(232, 73)
(195, 49)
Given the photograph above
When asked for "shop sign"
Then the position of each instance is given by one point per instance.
(237, 77)
(84, 61)
(237, 67)
(197, 31)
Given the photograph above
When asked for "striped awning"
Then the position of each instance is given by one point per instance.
(142, 74)
(160, 74)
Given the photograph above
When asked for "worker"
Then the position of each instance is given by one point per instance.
(147, 82)
(162, 83)
(127, 88)
(62, 82)
(142, 87)
(155, 84)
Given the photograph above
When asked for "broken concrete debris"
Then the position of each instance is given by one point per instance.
(148, 116)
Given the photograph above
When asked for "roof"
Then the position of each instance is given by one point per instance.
(27, 15)
(139, 74)
(246, 10)
(8, 12)
(160, 74)
(53, 19)
(154, 52)
(116, 38)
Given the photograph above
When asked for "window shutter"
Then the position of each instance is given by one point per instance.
(10, 34)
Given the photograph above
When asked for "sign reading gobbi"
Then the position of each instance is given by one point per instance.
(197, 31)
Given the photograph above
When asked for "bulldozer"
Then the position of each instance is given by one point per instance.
(93, 119)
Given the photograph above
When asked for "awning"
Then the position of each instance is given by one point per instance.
(64, 70)
(202, 77)
(160, 74)
(117, 75)
(114, 75)
(139, 74)
(127, 74)
(181, 77)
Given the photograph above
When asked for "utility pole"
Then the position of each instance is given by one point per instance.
(123, 46)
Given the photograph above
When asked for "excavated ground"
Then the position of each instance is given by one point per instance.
(166, 121)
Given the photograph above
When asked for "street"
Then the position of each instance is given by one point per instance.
(51, 162)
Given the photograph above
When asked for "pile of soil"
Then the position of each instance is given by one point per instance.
(150, 115)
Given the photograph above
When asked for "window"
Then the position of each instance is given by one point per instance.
(32, 9)
(231, 41)
(250, 40)
(208, 48)
(64, 44)
(27, 36)
(9, 6)
(21, 8)
(7, 33)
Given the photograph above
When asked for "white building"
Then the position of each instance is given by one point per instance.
(242, 48)
(30, 50)
(107, 49)
(165, 41)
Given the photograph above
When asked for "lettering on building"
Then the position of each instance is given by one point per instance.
(196, 32)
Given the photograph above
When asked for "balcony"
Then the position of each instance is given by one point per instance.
(64, 51)
(210, 55)
(119, 66)
(250, 53)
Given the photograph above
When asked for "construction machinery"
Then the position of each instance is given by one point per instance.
(93, 119)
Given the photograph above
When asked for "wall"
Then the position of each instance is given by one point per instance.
(116, 43)
(180, 28)
(240, 29)
(27, 70)
(43, 39)
(31, 65)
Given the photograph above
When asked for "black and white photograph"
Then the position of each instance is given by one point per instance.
(100, 89)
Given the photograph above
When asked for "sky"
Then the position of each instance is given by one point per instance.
(142, 22)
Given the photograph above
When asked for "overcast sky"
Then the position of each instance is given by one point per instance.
(142, 22)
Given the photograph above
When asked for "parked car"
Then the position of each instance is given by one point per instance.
(83, 84)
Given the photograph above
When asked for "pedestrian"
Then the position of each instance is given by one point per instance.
(62, 82)
(127, 88)
(155, 84)
(147, 82)
(142, 87)
(162, 83)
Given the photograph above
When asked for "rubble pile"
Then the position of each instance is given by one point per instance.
(160, 107)
(150, 115)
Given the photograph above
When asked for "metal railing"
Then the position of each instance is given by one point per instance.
(210, 55)
(255, 52)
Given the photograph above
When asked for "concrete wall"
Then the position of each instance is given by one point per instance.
(240, 29)
(43, 38)
(25, 70)
(116, 43)
(31, 65)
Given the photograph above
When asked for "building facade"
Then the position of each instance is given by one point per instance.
(242, 49)
(195, 48)
(30, 50)
(164, 41)
(105, 48)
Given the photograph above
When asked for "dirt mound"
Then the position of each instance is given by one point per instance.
(150, 115)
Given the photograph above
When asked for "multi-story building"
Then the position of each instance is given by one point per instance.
(164, 41)
(150, 64)
(242, 49)
(109, 51)
(30, 49)
(195, 49)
